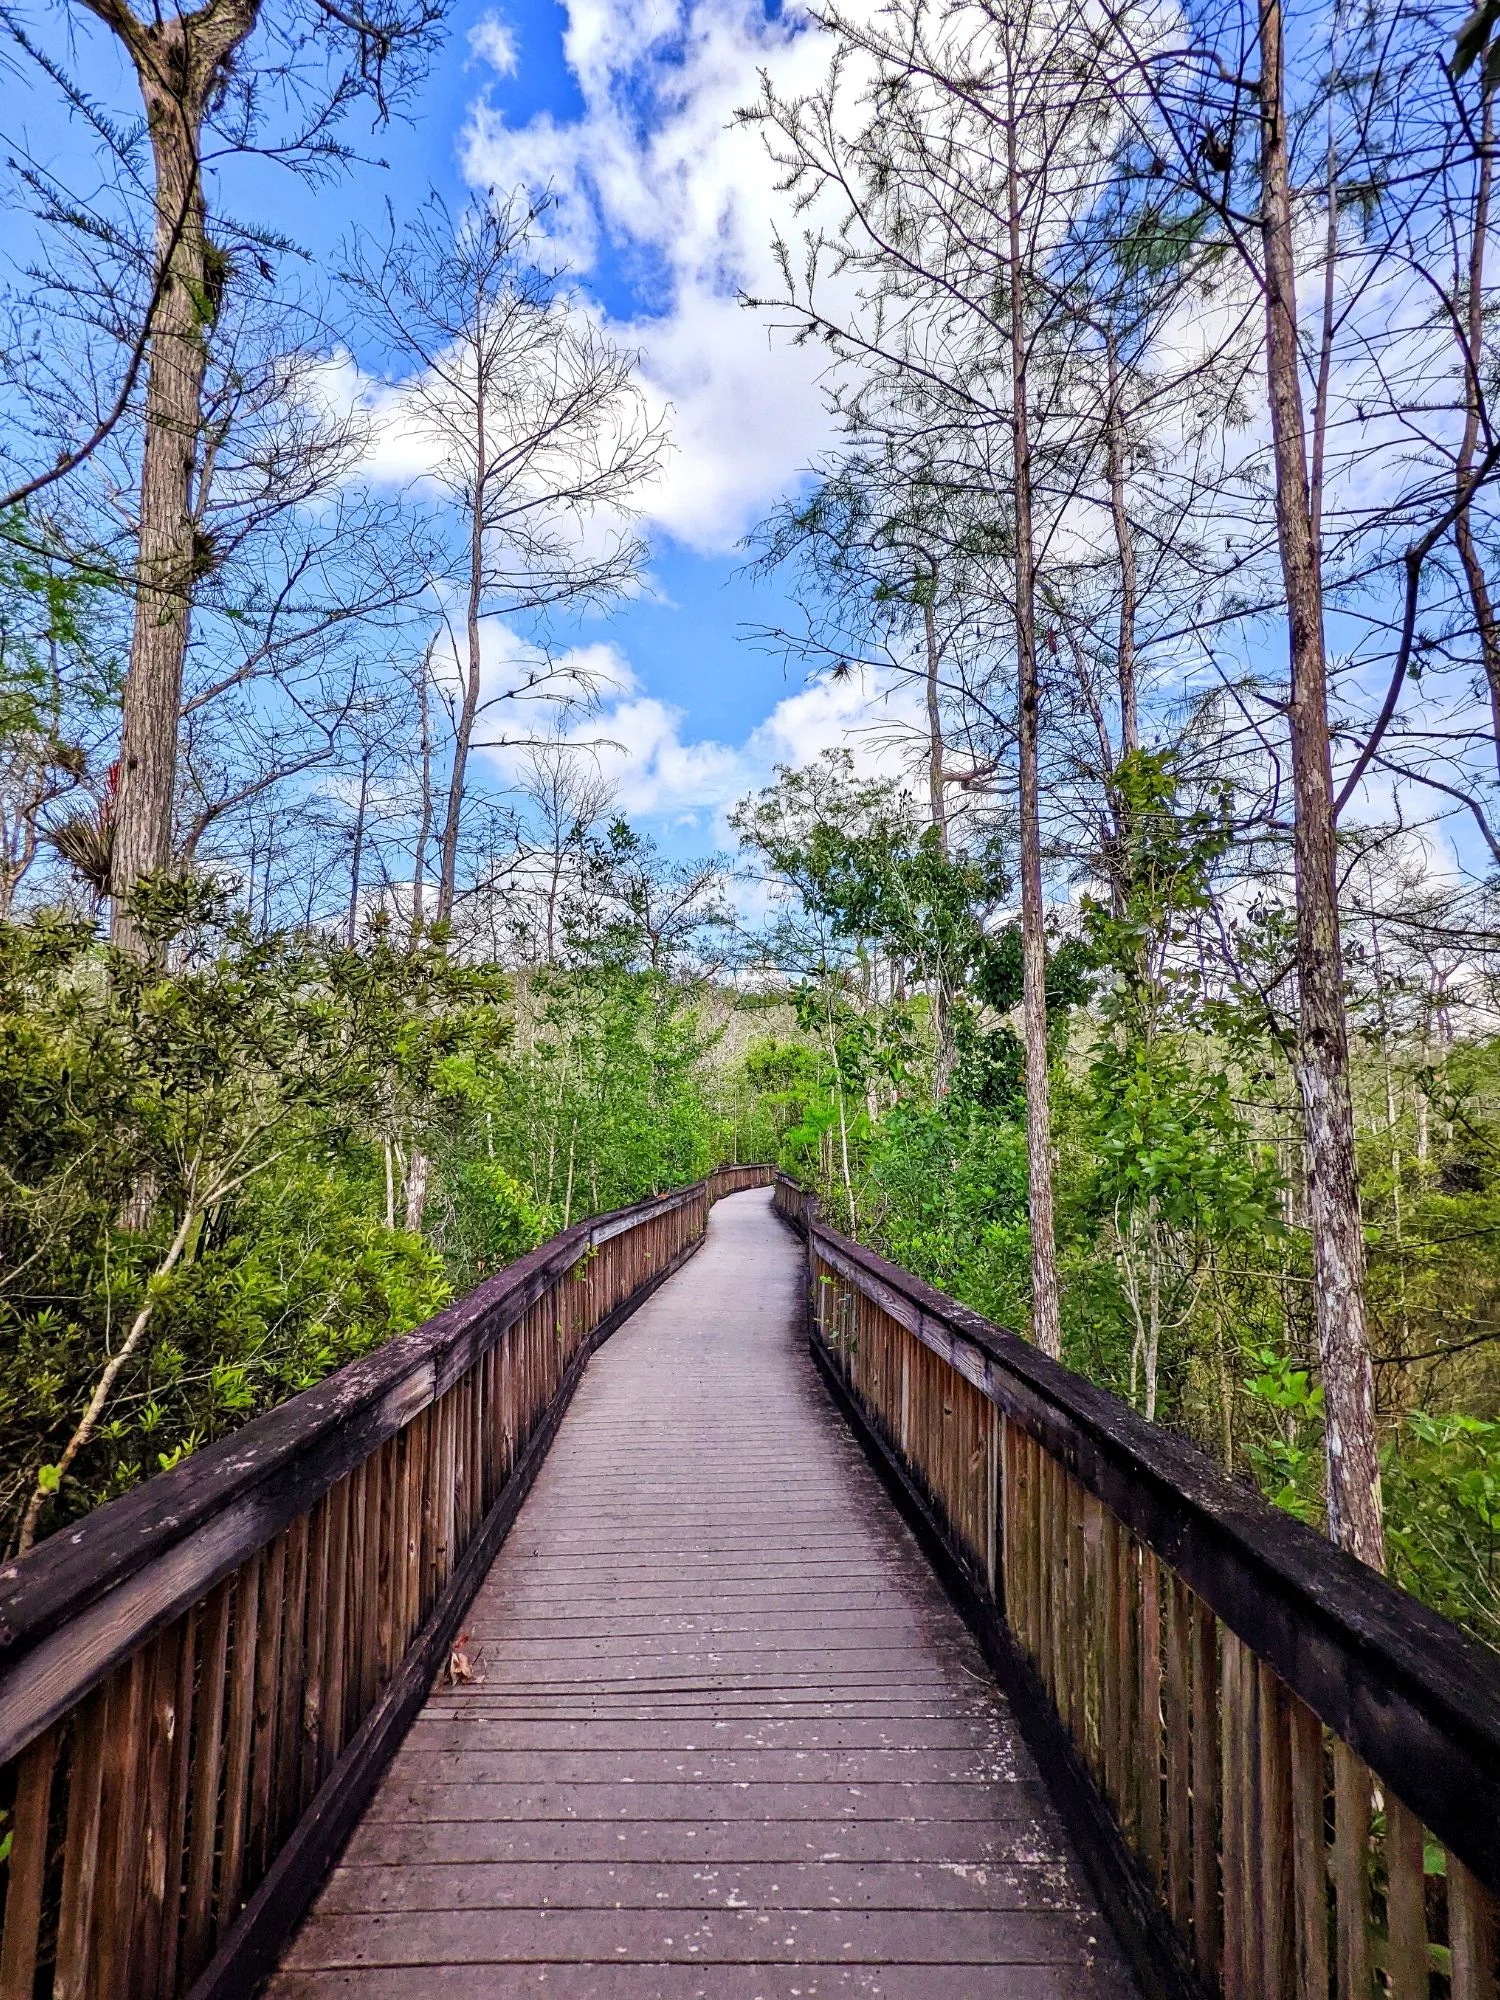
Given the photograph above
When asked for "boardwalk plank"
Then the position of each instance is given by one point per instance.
(685, 1885)
(722, 1937)
(731, 1739)
(585, 1980)
(760, 1763)
(561, 1843)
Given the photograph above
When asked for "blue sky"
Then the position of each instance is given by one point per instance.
(663, 210)
(663, 213)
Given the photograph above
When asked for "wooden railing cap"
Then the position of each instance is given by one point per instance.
(1416, 1696)
(63, 1575)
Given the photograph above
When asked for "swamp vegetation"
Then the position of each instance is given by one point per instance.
(1130, 971)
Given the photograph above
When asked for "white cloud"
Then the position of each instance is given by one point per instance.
(526, 691)
(746, 417)
(638, 741)
(494, 43)
(652, 769)
(876, 718)
(655, 171)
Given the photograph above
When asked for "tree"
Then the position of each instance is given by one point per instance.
(880, 559)
(224, 1060)
(297, 604)
(1323, 1052)
(636, 907)
(974, 141)
(885, 560)
(1217, 124)
(212, 68)
(874, 880)
(538, 439)
(564, 798)
(1177, 1176)
(56, 680)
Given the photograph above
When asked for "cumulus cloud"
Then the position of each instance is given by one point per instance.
(527, 691)
(876, 717)
(654, 172)
(644, 749)
(492, 42)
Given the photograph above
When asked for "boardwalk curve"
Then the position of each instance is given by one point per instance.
(730, 1738)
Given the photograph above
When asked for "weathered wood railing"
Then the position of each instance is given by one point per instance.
(201, 1682)
(1284, 1770)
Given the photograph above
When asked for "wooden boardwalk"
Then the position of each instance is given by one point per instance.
(731, 1739)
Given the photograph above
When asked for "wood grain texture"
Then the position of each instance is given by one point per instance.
(80, 1603)
(1309, 1851)
(1351, 1871)
(28, 1867)
(1405, 1901)
(1414, 1697)
(730, 1737)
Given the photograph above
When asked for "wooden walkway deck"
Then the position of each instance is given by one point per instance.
(731, 1738)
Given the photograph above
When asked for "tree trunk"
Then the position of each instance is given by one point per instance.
(1353, 1465)
(180, 61)
(351, 926)
(464, 733)
(838, 1078)
(937, 783)
(554, 883)
(418, 1168)
(1130, 728)
(1046, 1322)
(944, 1053)
(1119, 832)
(424, 826)
(1485, 623)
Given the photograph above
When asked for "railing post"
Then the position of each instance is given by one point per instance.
(1121, 1567)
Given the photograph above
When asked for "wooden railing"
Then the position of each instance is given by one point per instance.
(1284, 1770)
(201, 1682)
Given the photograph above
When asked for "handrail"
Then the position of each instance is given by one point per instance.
(201, 1681)
(1219, 1677)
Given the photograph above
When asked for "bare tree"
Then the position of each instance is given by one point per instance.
(955, 146)
(536, 436)
(880, 560)
(564, 797)
(1323, 1050)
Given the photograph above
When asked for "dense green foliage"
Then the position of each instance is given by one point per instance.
(1182, 1239)
(278, 1151)
(337, 1138)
